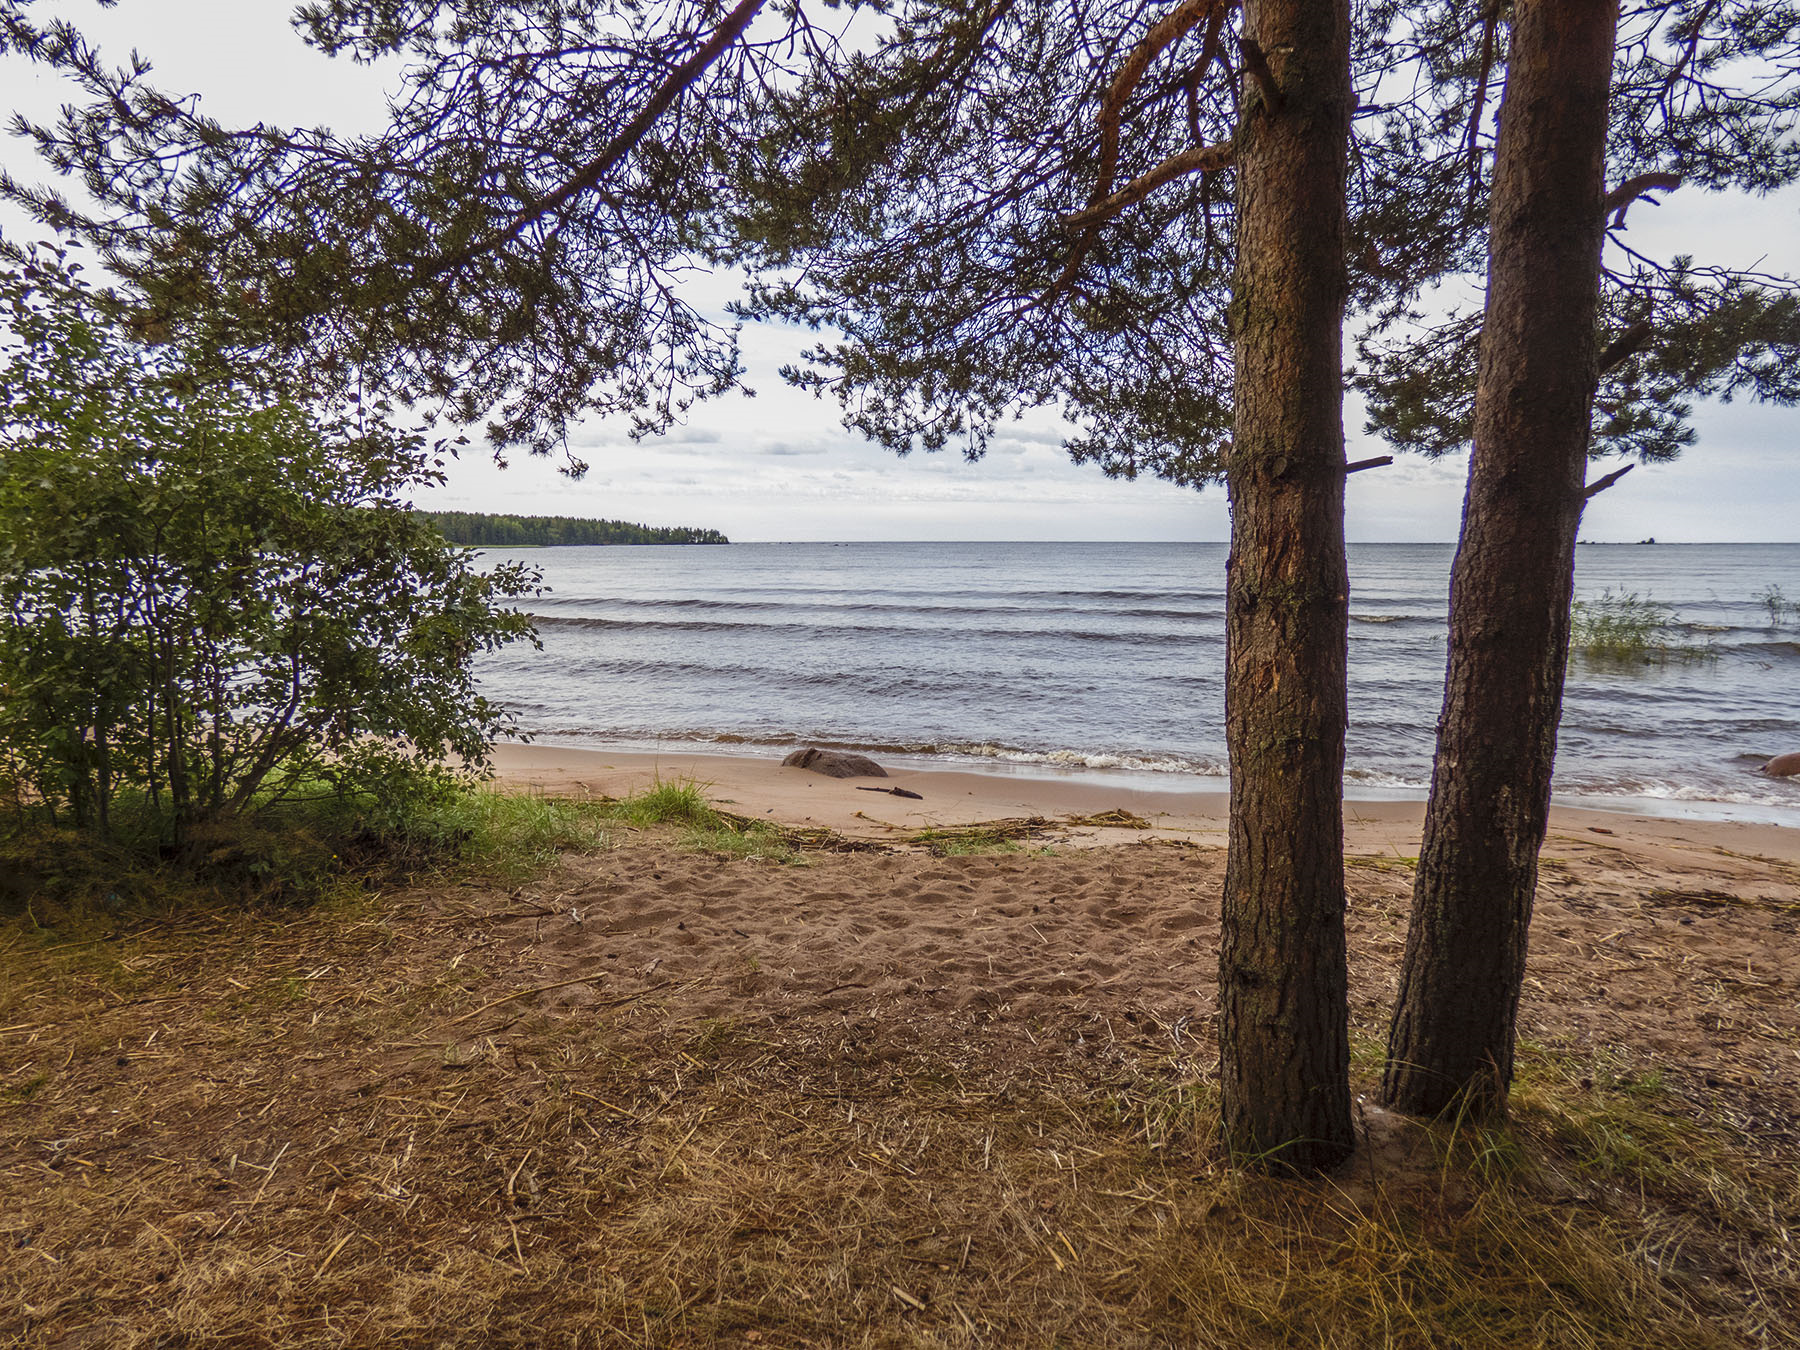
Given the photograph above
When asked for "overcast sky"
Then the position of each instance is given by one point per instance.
(779, 467)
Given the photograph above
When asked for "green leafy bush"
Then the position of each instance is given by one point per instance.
(212, 597)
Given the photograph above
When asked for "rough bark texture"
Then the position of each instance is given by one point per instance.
(1451, 1042)
(1284, 1054)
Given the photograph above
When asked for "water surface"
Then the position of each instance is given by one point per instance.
(1110, 657)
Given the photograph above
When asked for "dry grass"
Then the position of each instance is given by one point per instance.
(343, 1127)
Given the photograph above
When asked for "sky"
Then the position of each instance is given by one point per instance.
(778, 466)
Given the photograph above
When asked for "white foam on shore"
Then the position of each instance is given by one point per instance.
(1078, 759)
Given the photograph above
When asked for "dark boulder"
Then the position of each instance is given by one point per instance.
(835, 763)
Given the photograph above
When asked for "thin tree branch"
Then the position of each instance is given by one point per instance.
(673, 86)
(1619, 200)
(1626, 345)
(1490, 23)
(1692, 47)
(1599, 486)
(1198, 159)
(1378, 462)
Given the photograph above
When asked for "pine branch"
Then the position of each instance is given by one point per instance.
(673, 86)
(1595, 488)
(1490, 24)
(1619, 200)
(1198, 159)
(1163, 34)
(1626, 345)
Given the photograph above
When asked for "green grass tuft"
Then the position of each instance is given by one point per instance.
(509, 835)
(676, 802)
(966, 843)
(1623, 629)
(1777, 604)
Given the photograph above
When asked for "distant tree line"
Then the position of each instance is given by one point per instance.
(482, 530)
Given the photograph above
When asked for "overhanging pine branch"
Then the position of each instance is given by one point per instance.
(673, 86)
(1164, 33)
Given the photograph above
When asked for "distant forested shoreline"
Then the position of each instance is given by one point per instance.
(482, 530)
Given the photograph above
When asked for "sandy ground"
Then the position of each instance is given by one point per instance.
(1668, 937)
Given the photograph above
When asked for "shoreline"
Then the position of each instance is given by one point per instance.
(1358, 787)
(760, 787)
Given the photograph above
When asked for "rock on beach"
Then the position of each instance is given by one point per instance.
(835, 763)
(1783, 766)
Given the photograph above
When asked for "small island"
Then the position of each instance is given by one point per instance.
(480, 529)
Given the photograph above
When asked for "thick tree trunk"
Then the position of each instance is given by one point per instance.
(1451, 1042)
(1283, 1025)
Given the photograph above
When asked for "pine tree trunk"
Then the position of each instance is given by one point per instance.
(1451, 1041)
(1283, 1022)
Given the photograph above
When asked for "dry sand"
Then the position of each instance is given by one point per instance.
(1665, 937)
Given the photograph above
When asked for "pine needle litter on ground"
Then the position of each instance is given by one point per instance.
(667, 1099)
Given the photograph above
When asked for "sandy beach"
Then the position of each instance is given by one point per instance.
(873, 1089)
(1640, 921)
(1636, 915)
(797, 797)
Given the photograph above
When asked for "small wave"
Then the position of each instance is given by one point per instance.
(829, 602)
(589, 623)
(1081, 759)
(1386, 778)
(1753, 790)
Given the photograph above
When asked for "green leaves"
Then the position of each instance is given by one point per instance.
(200, 584)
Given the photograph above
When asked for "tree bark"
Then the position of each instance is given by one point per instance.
(1451, 1041)
(1283, 1022)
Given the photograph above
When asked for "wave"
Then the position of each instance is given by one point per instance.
(1774, 792)
(824, 606)
(1135, 637)
(1082, 759)
(1388, 778)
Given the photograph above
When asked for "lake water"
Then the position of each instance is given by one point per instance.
(1110, 658)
